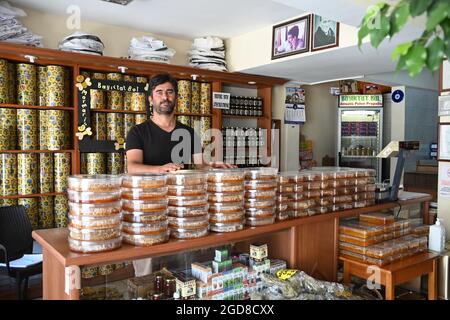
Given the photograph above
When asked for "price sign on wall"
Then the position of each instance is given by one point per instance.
(221, 100)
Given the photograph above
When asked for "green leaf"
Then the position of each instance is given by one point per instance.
(401, 50)
(416, 59)
(435, 54)
(362, 33)
(438, 13)
(373, 11)
(378, 34)
(417, 7)
(401, 64)
(399, 17)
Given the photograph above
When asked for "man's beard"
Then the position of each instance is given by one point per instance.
(167, 109)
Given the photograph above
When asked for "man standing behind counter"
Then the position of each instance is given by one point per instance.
(149, 145)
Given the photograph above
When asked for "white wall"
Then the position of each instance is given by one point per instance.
(425, 80)
(116, 39)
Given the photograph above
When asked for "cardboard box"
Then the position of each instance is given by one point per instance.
(201, 271)
(259, 251)
(138, 287)
(221, 255)
(186, 284)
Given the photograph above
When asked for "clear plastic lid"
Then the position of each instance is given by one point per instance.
(314, 176)
(147, 239)
(227, 227)
(261, 213)
(361, 241)
(94, 234)
(189, 223)
(188, 201)
(144, 194)
(358, 229)
(257, 221)
(328, 193)
(225, 187)
(343, 199)
(261, 174)
(327, 201)
(226, 218)
(365, 173)
(144, 180)
(94, 246)
(352, 255)
(324, 209)
(327, 184)
(93, 197)
(289, 188)
(226, 207)
(225, 197)
(377, 218)
(257, 194)
(144, 217)
(95, 210)
(186, 177)
(288, 197)
(420, 230)
(305, 204)
(364, 181)
(360, 204)
(190, 190)
(352, 247)
(380, 251)
(345, 191)
(184, 212)
(226, 176)
(314, 185)
(189, 233)
(145, 228)
(144, 206)
(292, 177)
(260, 185)
(370, 188)
(315, 194)
(259, 204)
(281, 216)
(87, 222)
(94, 183)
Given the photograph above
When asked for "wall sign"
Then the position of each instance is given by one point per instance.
(444, 106)
(367, 100)
(398, 96)
(294, 111)
(221, 100)
(444, 180)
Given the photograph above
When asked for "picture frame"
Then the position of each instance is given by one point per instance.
(444, 142)
(444, 83)
(324, 33)
(291, 37)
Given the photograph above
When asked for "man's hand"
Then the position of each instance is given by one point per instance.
(222, 165)
(170, 167)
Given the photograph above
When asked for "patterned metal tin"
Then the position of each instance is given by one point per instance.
(105, 269)
(67, 88)
(8, 202)
(114, 163)
(114, 126)
(8, 129)
(98, 98)
(4, 81)
(115, 98)
(205, 126)
(127, 95)
(32, 208)
(205, 98)
(99, 126)
(195, 97)
(27, 173)
(61, 210)
(12, 83)
(140, 118)
(46, 173)
(184, 120)
(26, 84)
(128, 123)
(41, 86)
(56, 128)
(184, 96)
(43, 129)
(46, 215)
(27, 131)
(88, 272)
(61, 169)
(8, 174)
(83, 163)
(95, 163)
(55, 86)
(67, 130)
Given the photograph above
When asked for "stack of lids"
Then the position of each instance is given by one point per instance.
(188, 204)
(260, 211)
(289, 195)
(225, 197)
(95, 219)
(150, 49)
(144, 208)
(83, 43)
(11, 30)
(208, 53)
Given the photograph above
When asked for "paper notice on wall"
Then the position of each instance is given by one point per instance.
(444, 179)
(294, 111)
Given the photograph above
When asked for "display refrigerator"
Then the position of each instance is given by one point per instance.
(360, 128)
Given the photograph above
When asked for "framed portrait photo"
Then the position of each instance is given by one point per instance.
(291, 37)
(325, 33)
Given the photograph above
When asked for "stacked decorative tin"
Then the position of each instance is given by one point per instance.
(226, 200)
(260, 211)
(188, 204)
(144, 208)
(95, 213)
(289, 195)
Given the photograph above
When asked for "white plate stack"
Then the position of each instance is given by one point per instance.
(83, 43)
(150, 49)
(208, 53)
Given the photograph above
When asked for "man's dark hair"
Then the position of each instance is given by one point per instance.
(293, 31)
(160, 79)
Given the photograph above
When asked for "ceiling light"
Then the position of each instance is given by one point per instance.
(121, 2)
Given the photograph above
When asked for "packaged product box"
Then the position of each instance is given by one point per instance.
(186, 284)
(138, 287)
(221, 266)
(202, 271)
(221, 255)
(259, 251)
(277, 264)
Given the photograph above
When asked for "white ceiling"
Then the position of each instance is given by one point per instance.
(184, 19)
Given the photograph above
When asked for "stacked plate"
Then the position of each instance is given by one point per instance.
(289, 196)
(225, 197)
(188, 204)
(150, 49)
(208, 53)
(83, 43)
(95, 219)
(260, 210)
(144, 209)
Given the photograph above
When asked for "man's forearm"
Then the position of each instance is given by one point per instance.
(143, 168)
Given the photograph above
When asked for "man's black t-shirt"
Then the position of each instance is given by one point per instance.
(157, 143)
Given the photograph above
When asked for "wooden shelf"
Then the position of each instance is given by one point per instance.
(124, 273)
(37, 151)
(19, 106)
(34, 195)
(234, 116)
(117, 111)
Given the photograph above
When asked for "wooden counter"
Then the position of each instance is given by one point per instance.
(309, 244)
